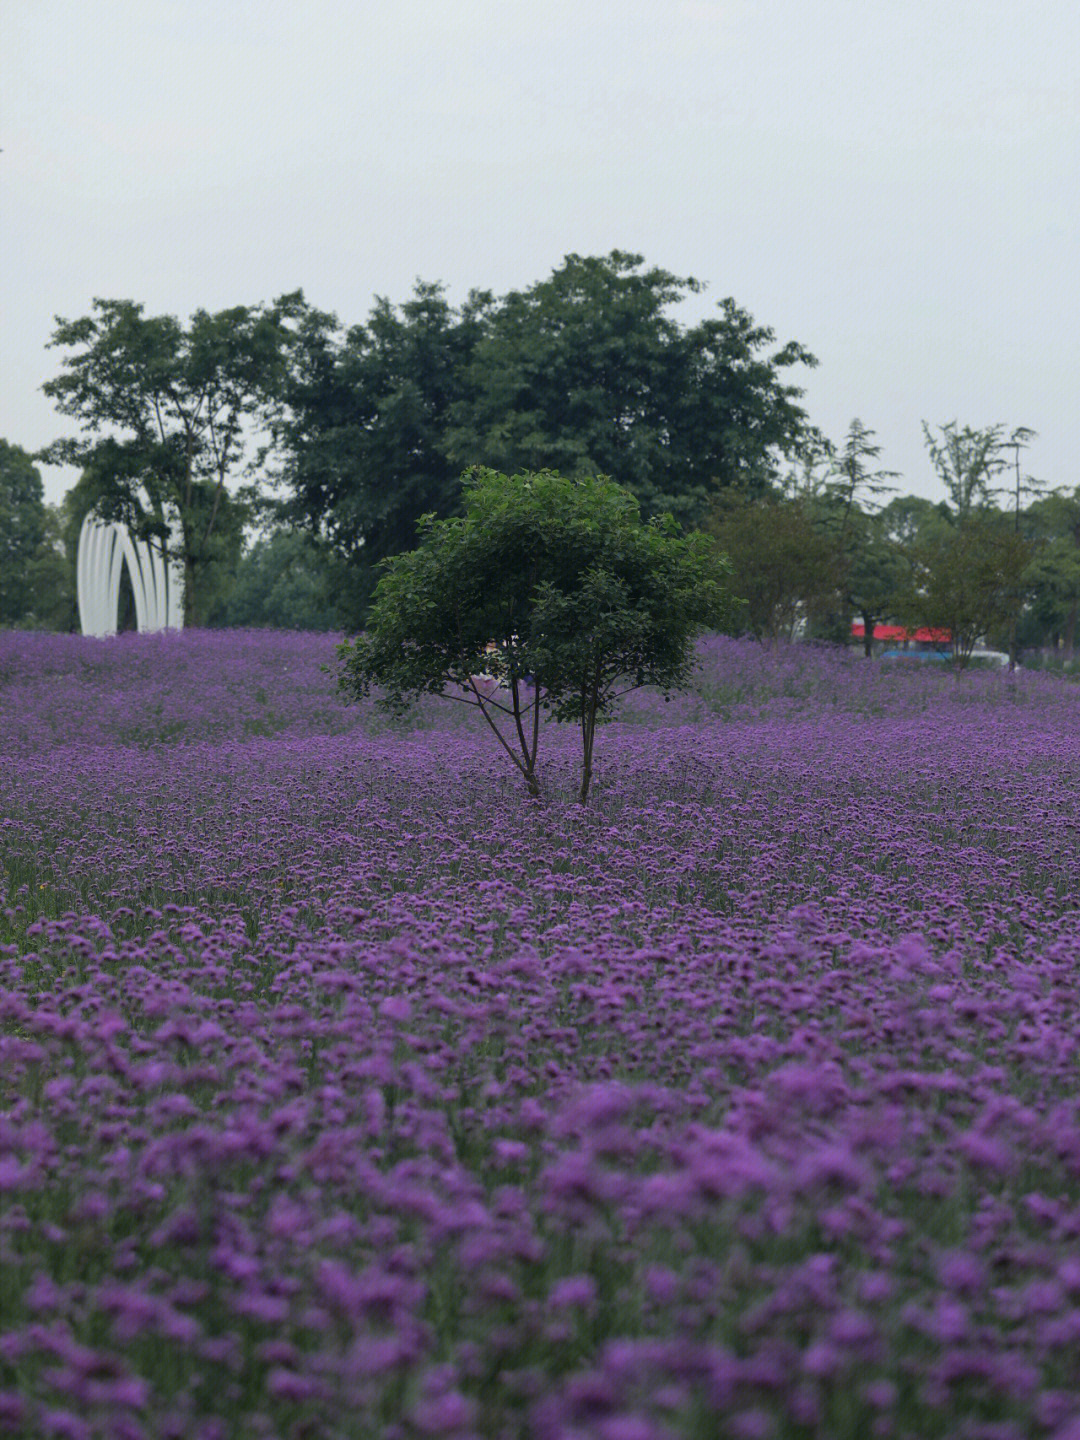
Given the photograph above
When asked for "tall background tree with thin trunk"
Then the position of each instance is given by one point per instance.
(169, 411)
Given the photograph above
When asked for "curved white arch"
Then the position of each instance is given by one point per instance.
(128, 550)
(158, 587)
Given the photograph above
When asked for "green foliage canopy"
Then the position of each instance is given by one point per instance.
(169, 409)
(867, 569)
(36, 579)
(284, 581)
(781, 561)
(968, 461)
(552, 587)
(585, 372)
(22, 527)
(362, 423)
(968, 579)
(1052, 524)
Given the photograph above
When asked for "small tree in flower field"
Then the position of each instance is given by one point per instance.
(555, 589)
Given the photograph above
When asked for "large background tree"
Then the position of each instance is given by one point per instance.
(170, 410)
(362, 428)
(874, 574)
(577, 372)
(586, 371)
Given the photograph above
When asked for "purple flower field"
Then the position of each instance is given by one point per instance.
(345, 1092)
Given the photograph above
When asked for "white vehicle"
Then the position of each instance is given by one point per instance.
(996, 658)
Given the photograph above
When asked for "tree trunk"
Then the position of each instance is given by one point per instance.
(588, 735)
(868, 635)
(191, 619)
(586, 778)
(528, 768)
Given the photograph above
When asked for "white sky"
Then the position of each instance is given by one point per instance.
(894, 184)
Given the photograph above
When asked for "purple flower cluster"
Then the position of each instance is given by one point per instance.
(344, 1091)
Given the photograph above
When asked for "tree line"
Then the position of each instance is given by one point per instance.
(996, 559)
(325, 444)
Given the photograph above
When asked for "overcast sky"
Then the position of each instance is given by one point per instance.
(896, 185)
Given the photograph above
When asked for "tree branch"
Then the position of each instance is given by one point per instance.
(497, 731)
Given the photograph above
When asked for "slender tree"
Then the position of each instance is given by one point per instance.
(874, 574)
(864, 565)
(968, 462)
(168, 410)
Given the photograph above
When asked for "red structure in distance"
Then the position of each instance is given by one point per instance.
(898, 635)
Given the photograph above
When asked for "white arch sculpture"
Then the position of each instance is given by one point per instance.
(158, 587)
